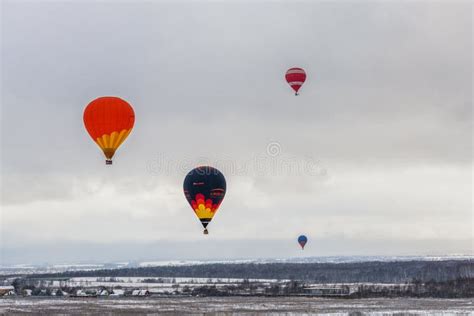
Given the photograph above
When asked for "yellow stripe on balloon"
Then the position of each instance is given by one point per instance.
(203, 212)
(100, 143)
(110, 143)
(114, 140)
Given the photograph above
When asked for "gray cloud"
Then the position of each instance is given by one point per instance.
(386, 113)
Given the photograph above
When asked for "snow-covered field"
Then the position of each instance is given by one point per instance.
(236, 305)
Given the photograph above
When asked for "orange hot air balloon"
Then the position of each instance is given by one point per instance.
(109, 120)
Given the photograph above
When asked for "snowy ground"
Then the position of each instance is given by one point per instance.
(235, 305)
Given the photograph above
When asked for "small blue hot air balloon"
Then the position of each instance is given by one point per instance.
(302, 240)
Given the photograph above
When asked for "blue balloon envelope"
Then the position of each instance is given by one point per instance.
(302, 240)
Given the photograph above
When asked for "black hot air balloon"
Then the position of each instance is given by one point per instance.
(204, 188)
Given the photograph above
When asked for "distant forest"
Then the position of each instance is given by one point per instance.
(376, 272)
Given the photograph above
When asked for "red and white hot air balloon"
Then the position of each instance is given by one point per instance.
(295, 78)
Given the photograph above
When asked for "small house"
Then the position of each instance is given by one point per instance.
(117, 292)
(327, 291)
(140, 293)
(7, 290)
(81, 293)
(103, 292)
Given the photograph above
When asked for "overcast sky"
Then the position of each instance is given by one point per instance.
(373, 157)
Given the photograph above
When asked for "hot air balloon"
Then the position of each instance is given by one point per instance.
(295, 78)
(302, 240)
(204, 188)
(109, 120)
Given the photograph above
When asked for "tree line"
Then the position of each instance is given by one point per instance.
(355, 272)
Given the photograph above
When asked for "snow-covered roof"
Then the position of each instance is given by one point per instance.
(118, 292)
(140, 292)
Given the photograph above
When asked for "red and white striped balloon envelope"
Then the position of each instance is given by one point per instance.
(295, 78)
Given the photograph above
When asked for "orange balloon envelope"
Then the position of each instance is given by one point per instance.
(109, 120)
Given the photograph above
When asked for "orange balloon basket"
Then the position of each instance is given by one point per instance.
(108, 161)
